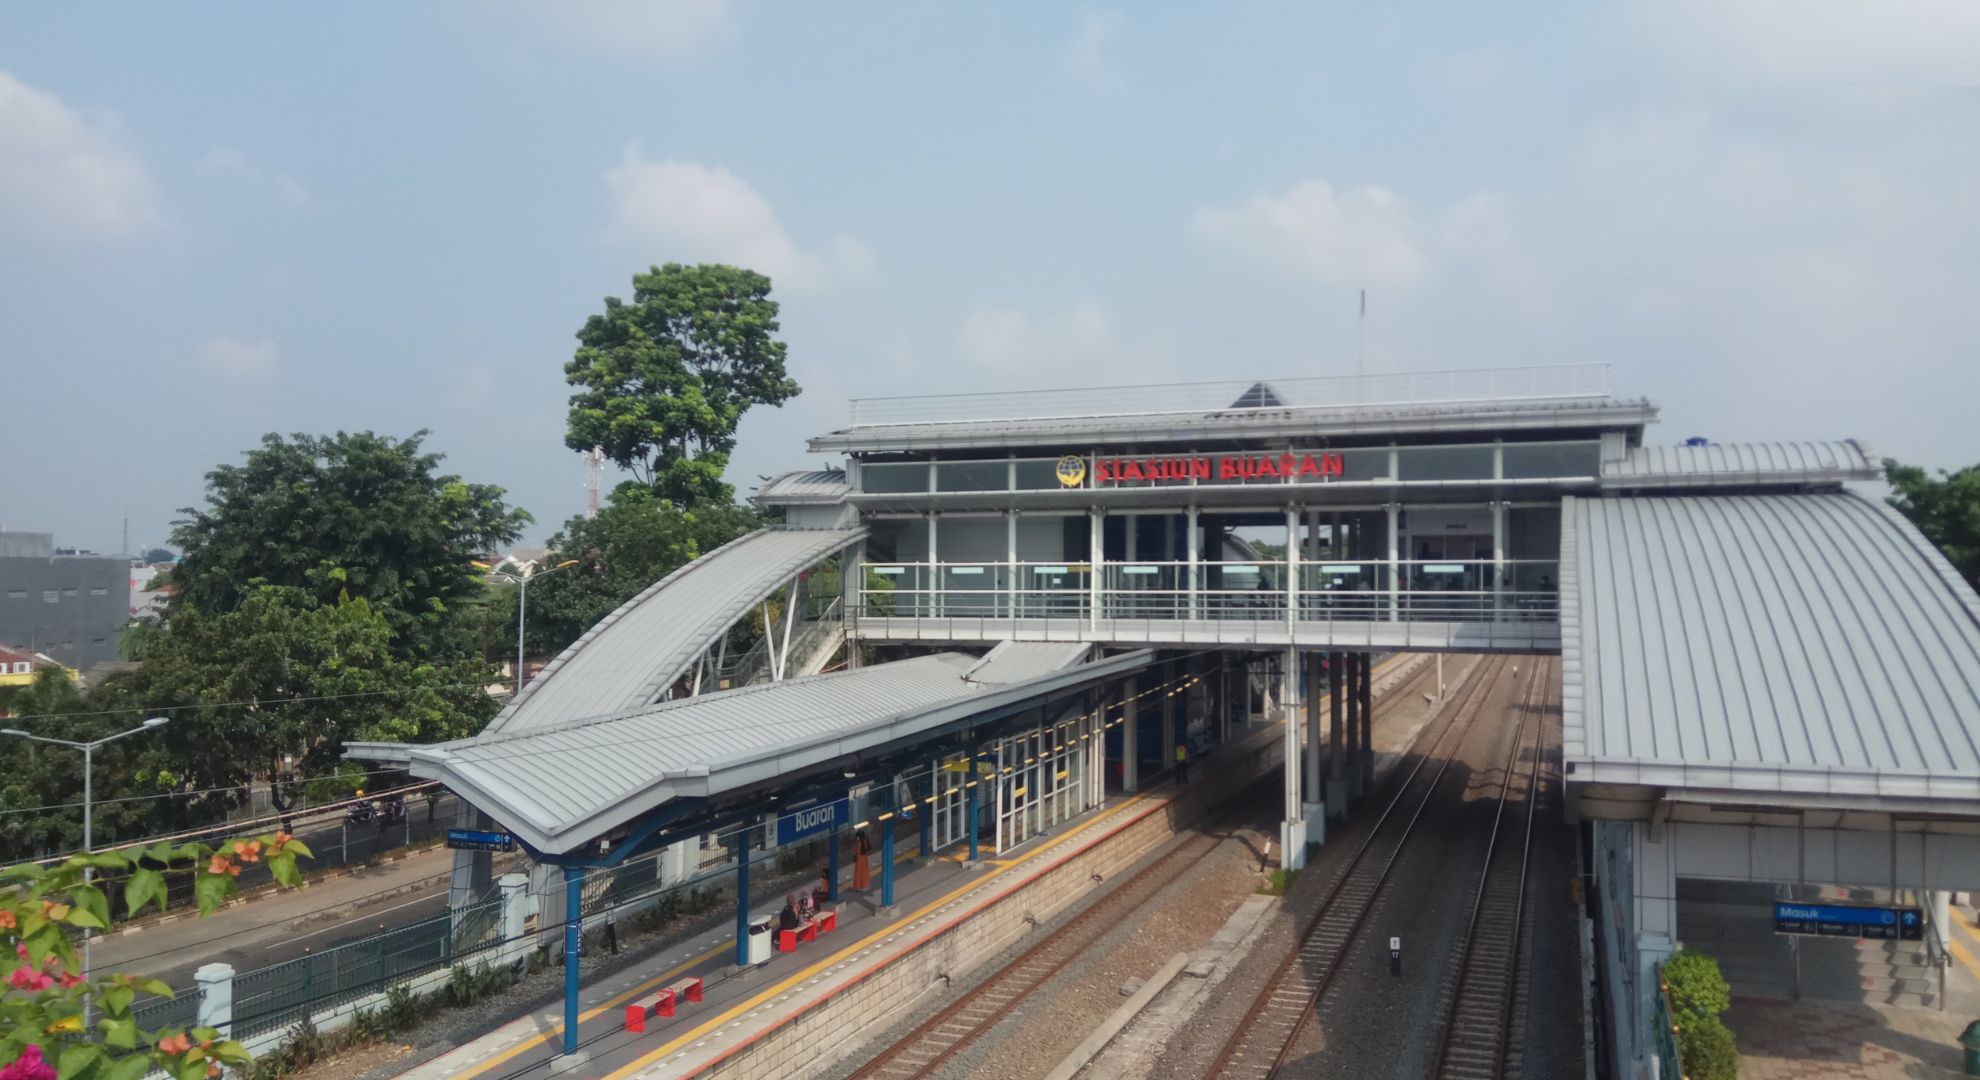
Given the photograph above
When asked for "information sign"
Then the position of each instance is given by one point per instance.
(810, 820)
(479, 840)
(1847, 920)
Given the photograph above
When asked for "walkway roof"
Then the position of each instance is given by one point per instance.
(560, 788)
(634, 654)
(1741, 465)
(1767, 647)
(805, 486)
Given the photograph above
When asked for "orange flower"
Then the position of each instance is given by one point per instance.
(249, 852)
(175, 1044)
(219, 865)
(7, 920)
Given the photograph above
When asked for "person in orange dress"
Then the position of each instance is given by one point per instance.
(862, 874)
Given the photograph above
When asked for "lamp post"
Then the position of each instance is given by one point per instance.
(89, 759)
(526, 571)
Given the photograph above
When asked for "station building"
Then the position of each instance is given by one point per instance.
(1768, 675)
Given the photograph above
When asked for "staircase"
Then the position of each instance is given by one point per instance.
(1733, 923)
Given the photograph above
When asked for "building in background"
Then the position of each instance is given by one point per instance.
(71, 607)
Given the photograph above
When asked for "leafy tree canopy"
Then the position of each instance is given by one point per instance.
(664, 380)
(360, 514)
(159, 555)
(1946, 508)
(635, 540)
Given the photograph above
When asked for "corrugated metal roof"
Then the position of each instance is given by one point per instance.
(1741, 463)
(804, 486)
(1154, 428)
(1809, 643)
(635, 653)
(1019, 661)
(560, 788)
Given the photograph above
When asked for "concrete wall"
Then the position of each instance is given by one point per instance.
(81, 625)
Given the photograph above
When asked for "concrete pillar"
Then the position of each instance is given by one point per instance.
(1653, 872)
(1336, 787)
(1170, 700)
(1366, 673)
(1096, 559)
(514, 890)
(1131, 739)
(472, 870)
(1351, 758)
(1395, 571)
(215, 1008)
(543, 881)
(1315, 809)
(1195, 559)
(1292, 831)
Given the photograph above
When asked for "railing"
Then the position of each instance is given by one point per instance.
(755, 665)
(1419, 590)
(1588, 381)
(1664, 1034)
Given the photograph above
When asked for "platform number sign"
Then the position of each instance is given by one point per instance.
(1395, 956)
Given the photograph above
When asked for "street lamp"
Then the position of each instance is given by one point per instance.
(89, 754)
(525, 572)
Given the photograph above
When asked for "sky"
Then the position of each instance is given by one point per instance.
(228, 219)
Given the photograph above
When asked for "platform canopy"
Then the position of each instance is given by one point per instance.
(1727, 465)
(1795, 649)
(562, 787)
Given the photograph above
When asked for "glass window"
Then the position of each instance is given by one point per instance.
(1038, 473)
(50, 596)
(972, 476)
(17, 594)
(99, 591)
(1528, 461)
(894, 477)
(22, 668)
(1445, 462)
(70, 591)
(1364, 464)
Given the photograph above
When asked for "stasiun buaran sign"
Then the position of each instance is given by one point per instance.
(1216, 468)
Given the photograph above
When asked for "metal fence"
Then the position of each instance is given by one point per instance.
(279, 995)
(1551, 382)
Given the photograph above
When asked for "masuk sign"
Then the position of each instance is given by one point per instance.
(1219, 468)
(1848, 920)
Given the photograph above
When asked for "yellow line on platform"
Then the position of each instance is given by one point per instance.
(803, 974)
(1953, 945)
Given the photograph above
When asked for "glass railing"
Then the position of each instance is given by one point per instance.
(1420, 590)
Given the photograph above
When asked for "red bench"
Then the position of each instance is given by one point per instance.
(661, 1003)
(826, 920)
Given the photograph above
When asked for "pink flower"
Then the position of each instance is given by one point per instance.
(30, 980)
(28, 1066)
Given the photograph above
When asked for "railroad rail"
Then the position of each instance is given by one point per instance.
(1260, 1045)
(1478, 1036)
(939, 1039)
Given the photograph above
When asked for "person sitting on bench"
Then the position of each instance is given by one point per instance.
(807, 904)
(789, 919)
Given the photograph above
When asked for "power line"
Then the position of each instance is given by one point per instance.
(252, 703)
(195, 791)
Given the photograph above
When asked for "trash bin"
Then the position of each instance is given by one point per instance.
(759, 942)
(1970, 1039)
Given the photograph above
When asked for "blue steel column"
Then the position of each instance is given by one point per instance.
(742, 897)
(924, 812)
(887, 852)
(573, 936)
(969, 789)
(832, 863)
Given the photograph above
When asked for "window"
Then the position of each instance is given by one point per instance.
(894, 478)
(1551, 460)
(99, 591)
(1445, 463)
(50, 596)
(17, 594)
(70, 591)
(973, 476)
(99, 641)
(22, 667)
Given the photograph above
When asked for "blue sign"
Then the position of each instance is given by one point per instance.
(477, 840)
(811, 820)
(1845, 920)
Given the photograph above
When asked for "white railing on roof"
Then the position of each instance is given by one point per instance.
(1558, 382)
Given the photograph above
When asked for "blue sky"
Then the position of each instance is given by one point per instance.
(229, 219)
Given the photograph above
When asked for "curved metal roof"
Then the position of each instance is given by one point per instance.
(632, 655)
(804, 486)
(1725, 464)
(1795, 643)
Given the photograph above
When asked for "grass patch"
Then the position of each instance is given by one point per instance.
(1278, 882)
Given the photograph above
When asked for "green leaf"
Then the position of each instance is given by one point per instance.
(299, 848)
(204, 1034)
(75, 1059)
(232, 1053)
(116, 1001)
(120, 1033)
(109, 860)
(128, 1068)
(161, 853)
(155, 988)
(22, 870)
(143, 886)
(210, 891)
(91, 899)
(189, 1070)
(283, 867)
(79, 917)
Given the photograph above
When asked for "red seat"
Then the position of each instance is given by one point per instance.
(828, 920)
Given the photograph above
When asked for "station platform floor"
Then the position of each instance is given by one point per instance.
(736, 1005)
(1808, 1040)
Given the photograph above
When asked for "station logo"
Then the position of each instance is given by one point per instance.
(1071, 471)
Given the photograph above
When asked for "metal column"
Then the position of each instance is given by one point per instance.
(832, 863)
(1352, 764)
(573, 937)
(1395, 571)
(1170, 737)
(1367, 677)
(742, 895)
(970, 787)
(1315, 810)
(1195, 559)
(1292, 832)
(887, 848)
(1131, 739)
(1096, 558)
(1292, 576)
(1337, 746)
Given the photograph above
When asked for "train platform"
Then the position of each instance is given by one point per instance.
(739, 1006)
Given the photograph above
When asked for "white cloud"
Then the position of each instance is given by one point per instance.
(1081, 345)
(229, 163)
(1363, 236)
(231, 356)
(1893, 42)
(1085, 61)
(696, 212)
(66, 173)
(674, 32)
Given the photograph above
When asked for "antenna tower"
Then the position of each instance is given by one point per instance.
(594, 465)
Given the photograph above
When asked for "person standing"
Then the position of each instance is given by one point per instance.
(1182, 763)
(862, 874)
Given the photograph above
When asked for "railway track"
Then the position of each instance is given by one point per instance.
(938, 1040)
(1478, 1037)
(1260, 1045)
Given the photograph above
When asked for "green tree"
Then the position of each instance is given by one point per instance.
(1946, 508)
(635, 540)
(663, 381)
(159, 555)
(359, 514)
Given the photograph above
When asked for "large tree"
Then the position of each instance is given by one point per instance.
(359, 514)
(1946, 508)
(664, 380)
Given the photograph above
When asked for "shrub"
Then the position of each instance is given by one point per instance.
(1698, 991)
(1706, 1050)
